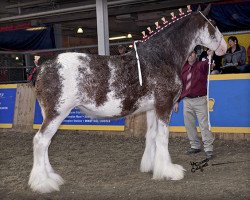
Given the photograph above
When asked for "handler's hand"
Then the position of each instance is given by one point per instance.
(176, 107)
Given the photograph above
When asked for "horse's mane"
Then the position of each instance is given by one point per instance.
(167, 44)
(168, 27)
(170, 31)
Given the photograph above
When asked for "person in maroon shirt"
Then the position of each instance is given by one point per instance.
(194, 80)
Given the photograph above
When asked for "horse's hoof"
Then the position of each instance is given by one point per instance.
(171, 172)
(42, 183)
(57, 178)
(46, 186)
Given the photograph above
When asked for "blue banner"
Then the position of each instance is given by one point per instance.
(78, 121)
(27, 40)
(7, 105)
(229, 105)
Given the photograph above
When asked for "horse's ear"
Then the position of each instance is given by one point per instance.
(207, 9)
(199, 8)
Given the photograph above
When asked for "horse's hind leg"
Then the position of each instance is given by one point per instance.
(148, 158)
(42, 178)
(51, 171)
(47, 163)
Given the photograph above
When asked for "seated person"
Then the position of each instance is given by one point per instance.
(216, 62)
(234, 57)
(246, 68)
(248, 54)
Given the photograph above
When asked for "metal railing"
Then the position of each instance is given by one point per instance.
(15, 66)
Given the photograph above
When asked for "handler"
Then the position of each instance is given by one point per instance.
(194, 79)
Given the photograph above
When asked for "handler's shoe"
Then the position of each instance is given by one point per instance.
(209, 155)
(192, 151)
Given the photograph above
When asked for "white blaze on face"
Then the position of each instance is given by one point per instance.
(206, 39)
(222, 48)
(214, 42)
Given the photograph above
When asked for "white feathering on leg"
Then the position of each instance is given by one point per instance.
(147, 162)
(39, 180)
(164, 168)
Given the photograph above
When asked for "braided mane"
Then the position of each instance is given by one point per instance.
(165, 24)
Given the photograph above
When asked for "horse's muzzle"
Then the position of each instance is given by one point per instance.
(222, 49)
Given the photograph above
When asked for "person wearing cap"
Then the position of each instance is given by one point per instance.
(194, 90)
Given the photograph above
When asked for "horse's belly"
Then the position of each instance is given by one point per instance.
(111, 108)
(106, 110)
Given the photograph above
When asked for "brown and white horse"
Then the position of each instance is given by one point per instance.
(108, 86)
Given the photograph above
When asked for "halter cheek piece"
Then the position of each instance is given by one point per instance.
(219, 42)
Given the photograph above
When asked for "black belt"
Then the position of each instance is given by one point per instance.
(192, 97)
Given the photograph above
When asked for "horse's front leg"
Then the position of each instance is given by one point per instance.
(163, 166)
(148, 158)
(43, 179)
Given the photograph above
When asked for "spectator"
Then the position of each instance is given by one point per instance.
(122, 49)
(246, 68)
(248, 54)
(194, 79)
(3, 75)
(234, 57)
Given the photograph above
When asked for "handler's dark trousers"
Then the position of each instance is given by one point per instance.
(197, 107)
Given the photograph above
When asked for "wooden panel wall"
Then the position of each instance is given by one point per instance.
(24, 108)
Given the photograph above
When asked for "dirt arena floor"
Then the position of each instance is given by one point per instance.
(107, 167)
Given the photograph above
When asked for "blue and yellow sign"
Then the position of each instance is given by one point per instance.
(78, 121)
(7, 105)
(229, 105)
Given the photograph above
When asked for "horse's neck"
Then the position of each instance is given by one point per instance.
(174, 45)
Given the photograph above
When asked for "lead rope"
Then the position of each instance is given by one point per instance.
(138, 62)
(208, 81)
(207, 19)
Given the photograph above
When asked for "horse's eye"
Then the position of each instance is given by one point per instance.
(212, 37)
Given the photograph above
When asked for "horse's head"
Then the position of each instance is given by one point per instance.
(209, 35)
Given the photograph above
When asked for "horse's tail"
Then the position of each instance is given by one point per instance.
(32, 74)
